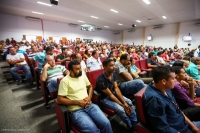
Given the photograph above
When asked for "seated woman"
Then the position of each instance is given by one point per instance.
(103, 52)
(87, 54)
(136, 71)
(151, 60)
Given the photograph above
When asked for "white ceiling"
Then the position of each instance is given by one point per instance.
(70, 11)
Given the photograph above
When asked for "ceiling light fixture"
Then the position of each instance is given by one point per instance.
(120, 24)
(138, 21)
(38, 13)
(147, 2)
(42, 3)
(164, 17)
(114, 10)
(94, 17)
(81, 21)
(106, 26)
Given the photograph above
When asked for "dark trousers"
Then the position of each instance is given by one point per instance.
(193, 113)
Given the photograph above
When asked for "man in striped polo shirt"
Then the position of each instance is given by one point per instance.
(51, 72)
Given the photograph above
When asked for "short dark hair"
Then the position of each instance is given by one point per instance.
(111, 53)
(161, 72)
(63, 49)
(77, 47)
(159, 53)
(177, 69)
(94, 52)
(49, 48)
(188, 58)
(178, 63)
(151, 54)
(73, 56)
(107, 61)
(10, 48)
(124, 57)
(86, 51)
(131, 59)
(71, 63)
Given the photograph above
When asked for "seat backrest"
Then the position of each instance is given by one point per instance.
(139, 105)
(58, 80)
(93, 75)
(66, 65)
(27, 60)
(102, 59)
(143, 64)
(137, 64)
(58, 63)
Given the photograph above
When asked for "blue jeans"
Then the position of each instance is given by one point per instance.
(132, 86)
(87, 120)
(52, 85)
(197, 124)
(25, 68)
(197, 91)
(130, 121)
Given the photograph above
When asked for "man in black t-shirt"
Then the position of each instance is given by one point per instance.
(63, 57)
(112, 98)
(151, 60)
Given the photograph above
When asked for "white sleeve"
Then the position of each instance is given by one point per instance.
(196, 53)
(8, 56)
(21, 55)
(99, 61)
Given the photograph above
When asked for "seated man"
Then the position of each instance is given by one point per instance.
(75, 91)
(40, 57)
(160, 59)
(124, 76)
(151, 60)
(111, 96)
(94, 62)
(19, 62)
(162, 112)
(63, 57)
(78, 57)
(184, 98)
(51, 72)
(192, 70)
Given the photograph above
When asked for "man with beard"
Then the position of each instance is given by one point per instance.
(75, 91)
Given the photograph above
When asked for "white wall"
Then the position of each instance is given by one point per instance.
(194, 30)
(166, 37)
(17, 26)
(135, 36)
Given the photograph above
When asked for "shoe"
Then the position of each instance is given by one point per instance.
(30, 82)
(19, 82)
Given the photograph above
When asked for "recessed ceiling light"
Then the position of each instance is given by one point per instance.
(147, 2)
(106, 26)
(38, 13)
(114, 10)
(120, 24)
(94, 17)
(138, 21)
(164, 17)
(81, 21)
(42, 3)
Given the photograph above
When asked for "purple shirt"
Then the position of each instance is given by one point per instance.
(181, 96)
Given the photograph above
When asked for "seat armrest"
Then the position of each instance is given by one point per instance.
(96, 98)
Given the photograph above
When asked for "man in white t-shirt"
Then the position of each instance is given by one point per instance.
(160, 59)
(94, 62)
(18, 60)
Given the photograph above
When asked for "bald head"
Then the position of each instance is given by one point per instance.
(50, 60)
(79, 57)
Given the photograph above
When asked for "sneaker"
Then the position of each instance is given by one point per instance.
(19, 82)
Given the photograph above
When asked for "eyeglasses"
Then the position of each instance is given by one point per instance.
(176, 107)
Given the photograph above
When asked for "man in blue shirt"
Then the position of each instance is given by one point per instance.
(193, 69)
(40, 57)
(162, 111)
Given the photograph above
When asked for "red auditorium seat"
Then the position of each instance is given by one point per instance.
(143, 73)
(102, 59)
(92, 76)
(143, 65)
(66, 65)
(142, 125)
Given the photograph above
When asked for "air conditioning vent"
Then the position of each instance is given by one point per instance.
(198, 24)
(115, 33)
(131, 30)
(158, 27)
(98, 28)
(32, 18)
(73, 25)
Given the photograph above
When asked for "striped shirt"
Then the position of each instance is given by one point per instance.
(56, 72)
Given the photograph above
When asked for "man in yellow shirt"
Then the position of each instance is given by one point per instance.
(75, 91)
